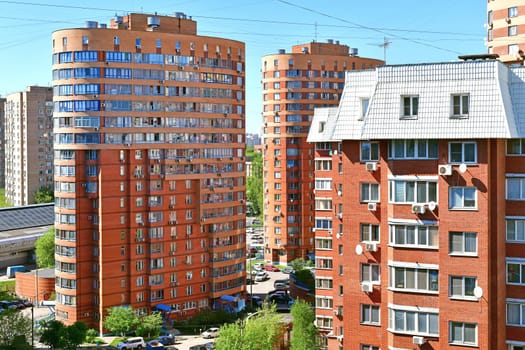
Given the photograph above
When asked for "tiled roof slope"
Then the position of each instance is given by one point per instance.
(496, 107)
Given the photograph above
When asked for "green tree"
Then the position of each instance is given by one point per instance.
(254, 184)
(150, 325)
(44, 195)
(304, 332)
(14, 328)
(121, 320)
(45, 249)
(58, 336)
(50, 331)
(262, 330)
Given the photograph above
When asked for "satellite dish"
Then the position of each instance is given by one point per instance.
(359, 249)
(478, 292)
(432, 205)
(338, 236)
(462, 168)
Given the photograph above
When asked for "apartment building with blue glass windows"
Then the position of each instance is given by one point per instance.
(149, 146)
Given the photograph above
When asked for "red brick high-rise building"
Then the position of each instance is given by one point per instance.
(506, 29)
(149, 168)
(294, 83)
(425, 194)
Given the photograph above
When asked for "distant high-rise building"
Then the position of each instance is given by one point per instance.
(294, 83)
(505, 33)
(149, 168)
(2, 142)
(253, 139)
(423, 235)
(28, 140)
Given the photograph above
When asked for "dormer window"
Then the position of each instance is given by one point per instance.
(460, 105)
(410, 107)
(321, 126)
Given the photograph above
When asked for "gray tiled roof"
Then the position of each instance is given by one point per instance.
(496, 102)
(29, 216)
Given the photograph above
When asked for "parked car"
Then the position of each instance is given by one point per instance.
(8, 305)
(26, 303)
(210, 333)
(280, 286)
(286, 282)
(261, 276)
(132, 343)
(167, 339)
(283, 293)
(287, 270)
(271, 268)
(258, 267)
(257, 301)
(279, 299)
(154, 345)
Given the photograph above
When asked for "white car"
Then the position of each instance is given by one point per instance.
(261, 276)
(258, 267)
(210, 333)
(132, 343)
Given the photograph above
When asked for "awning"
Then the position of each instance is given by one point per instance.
(163, 307)
(228, 298)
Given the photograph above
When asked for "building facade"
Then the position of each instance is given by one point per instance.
(424, 197)
(2, 142)
(149, 168)
(294, 83)
(506, 29)
(28, 139)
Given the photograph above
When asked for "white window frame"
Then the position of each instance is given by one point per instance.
(417, 185)
(369, 151)
(323, 204)
(419, 229)
(462, 340)
(521, 269)
(369, 192)
(425, 147)
(461, 205)
(520, 303)
(430, 271)
(409, 106)
(324, 184)
(370, 272)
(423, 312)
(515, 147)
(518, 228)
(463, 146)
(366, 309)
(463, 295)
(462, 252)
(459, 101)
(365, 104)
(519, 181)
(373, 229)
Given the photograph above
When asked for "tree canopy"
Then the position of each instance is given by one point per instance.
(15, 329)
(254, 184)
(304, 333)
(44, 195)
(45, 249)
(150, 325)
(59, 336)
(121, 320)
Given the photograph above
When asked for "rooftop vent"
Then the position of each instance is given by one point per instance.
(102, 25)
(337, 42)
(484, 56)
(118, 19)
(330, 41)
(91, 24)
(153, 21)
(282, 51)
(305, 50)
(180, 15)
(354, 51)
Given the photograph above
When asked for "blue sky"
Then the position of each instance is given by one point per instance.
(418, 30)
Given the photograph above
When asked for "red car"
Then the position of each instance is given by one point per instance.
(271, 268)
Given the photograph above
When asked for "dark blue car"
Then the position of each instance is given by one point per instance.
(167, 339)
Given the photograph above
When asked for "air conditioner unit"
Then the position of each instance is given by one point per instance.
(371, 247)
(338, 311)
(339, 193)
(507, 19)
(340, 338)
(367, 287)
(372, 206)
(340, 215)
(371, 166)
(418, 340)
(418, 208)
(445, 169)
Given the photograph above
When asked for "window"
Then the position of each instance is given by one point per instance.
(462, 287)
(370, 273)
(369, 151)
(410, 107)
(323, 164)
(405, 319)
(463, 243)
(420, 236)
(370, 314)
(369, 233)
(413, 149)
(369, 347)
(462, 198)
(323, 204)
(463, 333)
(516, 313)
(323, 223)
(516, 271)
(462, 152)
(414, 279)
(514, 49)
(513, 30)
(460, 105)
(369, 192)
(513, 12)
(516, 188)
(364, 106)
(403, 191)
(516, 147)
(516, 230)
(323, 184)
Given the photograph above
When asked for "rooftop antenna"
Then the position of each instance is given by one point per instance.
(315, 33)
(385, 44)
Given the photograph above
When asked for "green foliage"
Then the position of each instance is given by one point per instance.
(304, 333)
(150, 325)
(306, 277)
(45, 195)
(298, 264)
(249, 151)
(254, 184)
(72, 336)
(121, 320)
(15, 328)
(45, 249)
(91, 335)
(204, 320)
(263, 330)
(4, 203)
